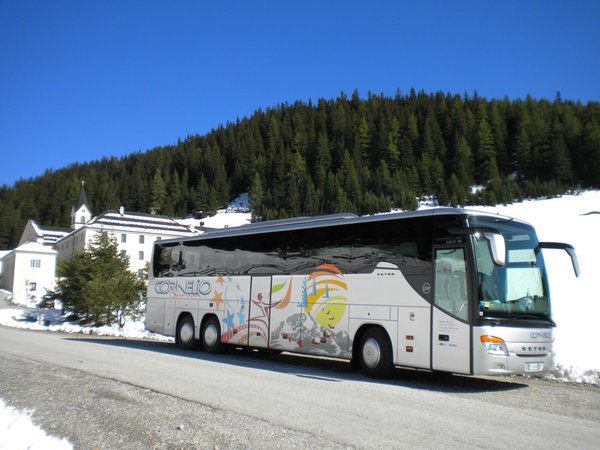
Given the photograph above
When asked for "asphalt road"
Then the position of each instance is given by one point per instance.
(113, 393)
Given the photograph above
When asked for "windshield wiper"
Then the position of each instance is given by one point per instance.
(517, 317)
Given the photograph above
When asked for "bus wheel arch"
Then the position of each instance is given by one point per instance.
(373, 353)
(210, 334)
(185, 336)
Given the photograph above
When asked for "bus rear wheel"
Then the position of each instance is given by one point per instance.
(376, 354)
(211, 336)
(186, 333)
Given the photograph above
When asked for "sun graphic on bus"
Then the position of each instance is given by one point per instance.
(324, 295)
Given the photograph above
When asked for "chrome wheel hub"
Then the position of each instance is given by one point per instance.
(371, 353)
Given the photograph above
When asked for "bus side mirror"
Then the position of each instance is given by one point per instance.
(495, 240)
(497, 246)
(566, 247)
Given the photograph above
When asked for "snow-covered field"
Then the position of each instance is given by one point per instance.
(574, 219)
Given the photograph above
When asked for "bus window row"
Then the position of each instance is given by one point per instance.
(351, 248)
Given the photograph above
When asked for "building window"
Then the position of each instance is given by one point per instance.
(123, 237)
(32, 286)
(123, 254)
(35, 263)
(141, 238)
(82, 219)
(141, 256)
(140, 273)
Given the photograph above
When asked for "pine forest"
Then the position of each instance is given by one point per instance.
(349, 154)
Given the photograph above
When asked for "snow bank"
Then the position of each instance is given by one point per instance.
(236, 214)
(574, 219)
(224, 218)
(18, 432)
(52, 320)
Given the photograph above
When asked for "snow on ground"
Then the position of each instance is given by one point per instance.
(224, 218)
(18, 432)
(236, 214)
(53, 320)
(573, 219)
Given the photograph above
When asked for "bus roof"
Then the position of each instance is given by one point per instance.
(328, 220)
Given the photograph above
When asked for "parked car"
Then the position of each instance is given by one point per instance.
(47, 302)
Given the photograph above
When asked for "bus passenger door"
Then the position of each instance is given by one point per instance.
(451, 332)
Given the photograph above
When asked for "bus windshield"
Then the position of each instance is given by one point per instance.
(519, 287)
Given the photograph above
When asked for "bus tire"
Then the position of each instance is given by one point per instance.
(211, 336)
(185, 336)
(376, 353)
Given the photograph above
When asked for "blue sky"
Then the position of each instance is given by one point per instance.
(80, 80)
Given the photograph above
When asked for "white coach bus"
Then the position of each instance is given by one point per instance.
(443, 289)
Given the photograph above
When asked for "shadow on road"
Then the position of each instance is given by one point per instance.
(321, 369)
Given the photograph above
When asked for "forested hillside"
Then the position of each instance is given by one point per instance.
(348, 154)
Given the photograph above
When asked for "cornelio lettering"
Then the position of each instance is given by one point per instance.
(189, 287)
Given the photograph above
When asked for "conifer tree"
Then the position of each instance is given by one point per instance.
(363, 139)
(487, 168)
(393, 144)
(312, 203)
(159, 192)
(462, 162)
(590, 153)
(257, 198)
(322, 163)
(97, 283)
(295, 184)
(523, 163)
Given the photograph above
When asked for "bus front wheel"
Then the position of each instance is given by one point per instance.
(211, 336)
(376, 353)
(186, 334)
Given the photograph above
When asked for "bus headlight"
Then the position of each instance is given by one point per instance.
(494, 345)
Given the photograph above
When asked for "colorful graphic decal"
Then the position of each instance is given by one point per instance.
(304, 312)
(235, 325)
(323, 295)
(259, 322)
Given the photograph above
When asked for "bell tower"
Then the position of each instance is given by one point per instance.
(81, 211)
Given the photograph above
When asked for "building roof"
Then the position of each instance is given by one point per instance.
(139, 222)
(51, 235)
(42, 234)
(34, 247)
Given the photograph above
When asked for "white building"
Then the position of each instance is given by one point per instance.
(29, 270)
(135, 232)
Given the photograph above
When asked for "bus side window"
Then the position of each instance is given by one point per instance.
(316, 247)
(178, 263)
(162, 261)
(260, 254)
(405, 245)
